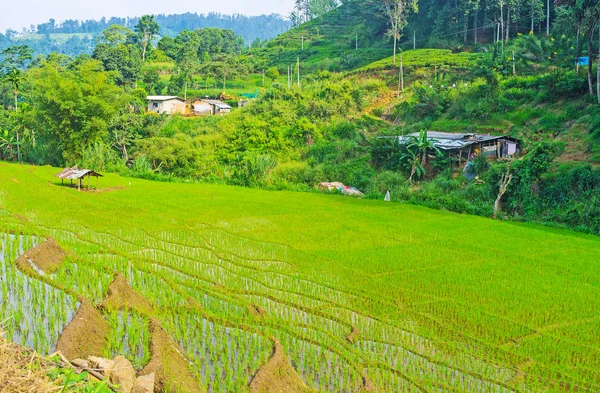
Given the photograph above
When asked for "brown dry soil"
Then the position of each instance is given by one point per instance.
(86, 335)
(121, 297)
(278, 376)
(22, 370)
(168, 363)
(353, 336)
(47, 256)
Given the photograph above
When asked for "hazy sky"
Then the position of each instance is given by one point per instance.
(22, 13)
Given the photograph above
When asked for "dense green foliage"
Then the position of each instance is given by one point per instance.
(74, 37)
(317, 126)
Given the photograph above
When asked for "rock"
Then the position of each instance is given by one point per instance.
(144, 384)
(100, 364)
(122, 374)
(80, 363)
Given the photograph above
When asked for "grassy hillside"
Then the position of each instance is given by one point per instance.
(406, 297)
(330, 40)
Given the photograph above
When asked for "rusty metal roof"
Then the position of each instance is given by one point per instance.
(76, 173)
(454, 141)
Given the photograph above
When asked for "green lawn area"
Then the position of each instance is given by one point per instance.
(434, 295)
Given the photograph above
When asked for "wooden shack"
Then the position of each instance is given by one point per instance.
(78, 175)
(462, 147)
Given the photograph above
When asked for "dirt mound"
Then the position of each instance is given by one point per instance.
(278, 376)
(86, 335)
(367, 387)
(256, 311)
(171, 368)
(121, 296)
(21, 370)
(353, 336)
(47, 256)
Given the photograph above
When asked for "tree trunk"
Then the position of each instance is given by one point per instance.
(502, 27)
(590, 61)
(548, 17)
(532, 20)
(502, 188)
(395, 43)
(144, 46)
(475, 23)
(598, 79)
(507, 24)
(578, 46)
(466, 32)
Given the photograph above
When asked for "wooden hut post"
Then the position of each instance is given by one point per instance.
(97, 177)
(79, 185)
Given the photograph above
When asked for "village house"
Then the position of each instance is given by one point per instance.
(166, 105)
(461, 147)
(210, 107)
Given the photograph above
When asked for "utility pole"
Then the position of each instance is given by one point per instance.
(302, 42)
(263, 83)
(356, 41)
(298, 70)
(288, 75)
(514, 64)
(414, 39)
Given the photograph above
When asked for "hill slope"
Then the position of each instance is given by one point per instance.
(357, 292)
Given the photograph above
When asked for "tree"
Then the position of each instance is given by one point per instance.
(587, 14)
(146, 29)
(417, 150)
(15, 57)
(15, 77)
(116, 35)
(123, 58)
(272, 73)
(503, 185)
(397, 11)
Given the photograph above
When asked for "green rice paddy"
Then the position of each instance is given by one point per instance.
(408, 298)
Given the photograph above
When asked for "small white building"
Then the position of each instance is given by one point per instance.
(210, 107)
(166, 104)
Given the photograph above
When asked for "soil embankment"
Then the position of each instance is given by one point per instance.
(86, 335)
(168, 363)
(47, 257)
(278, 376)
(122, 297)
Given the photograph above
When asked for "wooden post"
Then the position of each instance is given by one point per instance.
(97, 177)
(89, 180)
(79, 185)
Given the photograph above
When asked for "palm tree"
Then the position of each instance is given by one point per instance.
(15, 77)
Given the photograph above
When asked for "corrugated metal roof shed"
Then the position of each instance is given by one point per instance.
(218, 104)
(163, 98)
(451, 141)
(76, 173)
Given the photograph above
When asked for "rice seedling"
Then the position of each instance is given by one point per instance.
(401, 298)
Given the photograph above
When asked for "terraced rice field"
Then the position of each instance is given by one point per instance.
(356, 295)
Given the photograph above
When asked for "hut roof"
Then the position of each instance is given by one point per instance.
(76, 173)
(452, 141)
(164, 98)
(218, 104)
